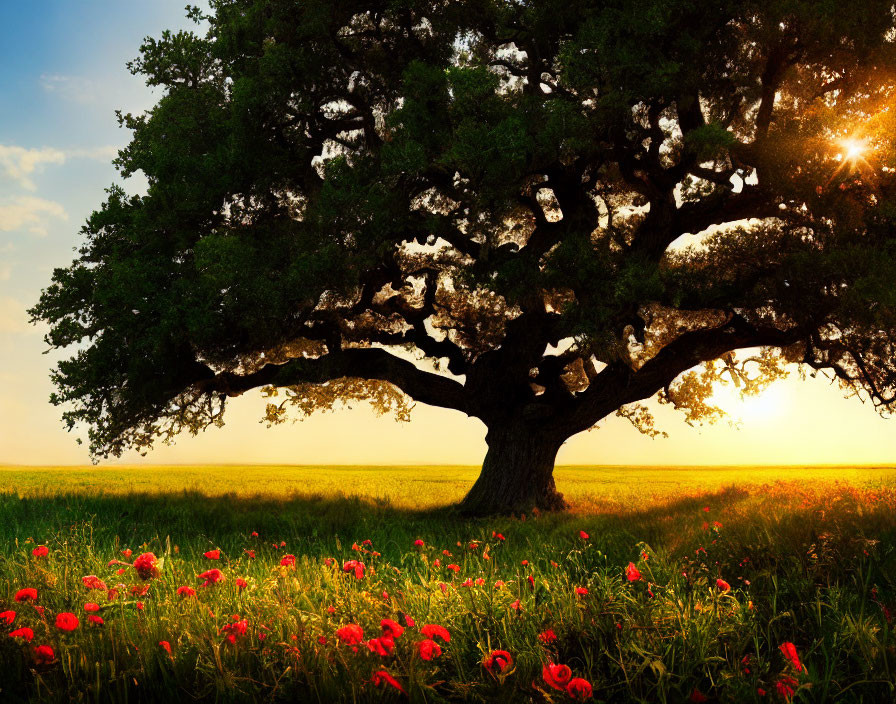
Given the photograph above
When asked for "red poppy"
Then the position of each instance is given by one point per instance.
(383, 676)
(581, 591)
(583, 535)
(95, 620)
(411, 623)
(433, 631)
(239, 627)
(382, 646)
(698, 697)
(241, 583)
(288, 561)
(127, 552)
(166, 645)
(547, 636)
(40, 551)
(631, 572)
(428, 649)
(91, 581)
(25, 633)
(146, 566)
(39, 609)
(44, 655)
(786, 686)
(250, 553)
(391, 628)
(498, 660)
(66, 621)
(350, 634)
(531, 580)
(213, 576)
(418, 543)
(579, 689)
(354, 566)
(213, 554)
(723, 586)
(453, 568)
(516, 605)
(89, 607)
(789, 650)
(557, 676)
(26, 594)
(7, 617)
(185, 591)
(499, 537)
(468, 582)
(139, 590)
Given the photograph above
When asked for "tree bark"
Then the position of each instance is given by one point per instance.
(517, 474)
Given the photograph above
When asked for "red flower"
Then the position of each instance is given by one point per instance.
(418, 543)
(581, 591)
(25, 633)
(433, 631)
(40, 551)
(354, 566)
(250, 553)
(391, 628)
(547, 636)
(557, 676)
(39, 609)
(531, 580)
(66, 621)
(382, 646)
(139, 589)
(631, 572)
(706, 508)
(166, 645)
(383, 676)
(579, 689)
(516, 605)
(468, 582)
(500, 537)
(89, 607)
(26, 594)
(91, 581)
(213, 554)
(789, 650)
(786, 687)
(146, 566)
(583, 535)
(723, 586)
(241, 583)
(44, 655)
(498, 659)
(428, 649)
(185, 591)
(239, 627)
(95, 620)
(350, 634)
(409, 621)
(453, 568)
(213, 576)
(7, 617)
(288, 561)
(127, 552)
(698, 697)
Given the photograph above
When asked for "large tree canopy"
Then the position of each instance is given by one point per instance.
(497, 190)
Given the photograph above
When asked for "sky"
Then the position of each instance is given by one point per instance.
(62, 76)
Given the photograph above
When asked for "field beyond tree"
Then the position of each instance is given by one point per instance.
(661, 584)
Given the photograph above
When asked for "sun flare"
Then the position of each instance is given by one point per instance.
(767, 406)
(854, 149)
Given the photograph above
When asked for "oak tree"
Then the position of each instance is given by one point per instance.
(537, 213)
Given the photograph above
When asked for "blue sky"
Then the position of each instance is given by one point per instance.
(62, 76)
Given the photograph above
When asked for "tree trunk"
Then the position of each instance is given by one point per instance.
(517, 474)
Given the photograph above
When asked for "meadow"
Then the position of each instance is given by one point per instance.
(320, 584)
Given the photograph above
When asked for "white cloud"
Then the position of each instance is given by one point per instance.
(107, 153)
(30, 213)
(19, 163)
(75, 88)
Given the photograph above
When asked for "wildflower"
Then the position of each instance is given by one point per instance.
(385, 595)
(433, 631)
(329, 561)
(25, 633)
(447, 553)
(409, 621)
(632, 573)
(557, 676)
(723, 586)
(554, 564)
(391, 628)
(418, 543)
(498, 660)
(468, 582)
(7, 617)
(516, 605)
(288, 561)
(253, 534)
(760, 691)
(453, 568)
(531, 580)
(382, 676)
(185, 591)
(382, 646)
(706, 509)
(213, 554)
(166, 645)
(66, 621)
(789, 650)
(331, 609)
(579, 689)
(146, 566)
(139, 606)
(581, 591)
(698, 697)
(322, 640)
(91, 581)
(499, 584)
(250, 553)
(499, 537)
(140, 589)
(716, 524)
(44, 655)
(127, 552)
(350, 634)
(786, 687)
(480, 581)
(120, 571)
(547, 636)
(645, 555)
(583, 535)
(239, 627)
(40, 551)
(91, 608)
(428, 649)
(437, 563)
(474, 546)
(443, 587)
(366, 542)
(699, 550)
(354, 566)
(213, 576)
(356, 547)
(95, 620)
(525, 563)
(241, 583)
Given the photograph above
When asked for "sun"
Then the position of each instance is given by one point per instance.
(765, 407)
(854, 149)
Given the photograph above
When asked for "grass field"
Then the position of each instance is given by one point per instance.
(809, 555)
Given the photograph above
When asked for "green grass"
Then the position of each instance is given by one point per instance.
(810, 554)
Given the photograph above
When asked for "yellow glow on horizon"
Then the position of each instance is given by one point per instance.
(771, 404)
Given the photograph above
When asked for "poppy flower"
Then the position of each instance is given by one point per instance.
(25, 633)
(789, 650)
(382, 646)
(722, 585)
(547, 636)
(531, 580)
(366, 542)
(391, 628)
(632, 573)
(139, 590)
(127, 552)
(250, 553)
(354, 566)
(44, 655)
(213, 576)
(241, 583)
(499, 584)
(383, 676)
(500, 537)
(583, 535)
(698, 697)
(557, 676)
(66, 621)
(185, 591)
(453, 568)
(146, 566)
(166, 645)
(288, 561)
(331, 609)
(443, 587)
(786, 686)
(468, 582)
(95, 620)
(579, 689)
(39, 609)
(581, 591)
(213, 554)
(498, 660)
(418, 543)
(91, 581)
(90, 608)
(40, 551)
(26, 594)
(428, 649)
(433, 631)
(7, 617)
(329, 561)
(350, 634)
(516, 605)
